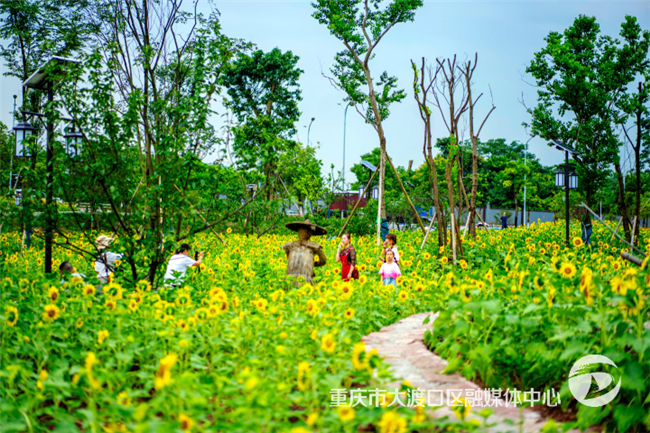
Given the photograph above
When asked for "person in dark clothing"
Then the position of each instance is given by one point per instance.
(585, 224)
(504, 221)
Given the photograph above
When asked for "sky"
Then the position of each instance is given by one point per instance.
(505, 34)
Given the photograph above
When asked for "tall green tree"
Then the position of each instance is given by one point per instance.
(300, 172)
(581, 76)
(35, 30)
(264, 94)
(360, 25)
(142, 100)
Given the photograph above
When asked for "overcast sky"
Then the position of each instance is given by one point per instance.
(505, 34)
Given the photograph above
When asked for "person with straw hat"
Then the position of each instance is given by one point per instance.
(303, 255)
(105, 263)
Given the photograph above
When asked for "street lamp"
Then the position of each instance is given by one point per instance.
(308, 129)
(23, 131)
(44, 79)
(525, 219)
(73, 143)
(566, 180)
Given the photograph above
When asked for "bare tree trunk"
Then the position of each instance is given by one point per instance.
(422, 88)
(468, 72)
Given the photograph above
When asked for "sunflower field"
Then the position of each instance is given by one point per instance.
(240, 348)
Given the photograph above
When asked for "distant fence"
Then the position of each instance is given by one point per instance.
(493, 216)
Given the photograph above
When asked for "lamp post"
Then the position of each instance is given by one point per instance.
(74, 143)
(567, 180)
(45, 78)
(11, 164)
(308, 129)
(525, 219)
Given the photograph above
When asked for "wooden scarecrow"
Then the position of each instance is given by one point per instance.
(301, 253)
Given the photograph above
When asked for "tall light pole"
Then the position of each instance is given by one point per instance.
(566, 180)
(44, 79)
(308, 129)
(525, 218)
(11, 164)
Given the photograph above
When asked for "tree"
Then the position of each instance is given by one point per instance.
(142, 101)
(35, 30)
(361, 25)
(300, 170)
(582, 76)
(450, 95)
(513, 178)
(420, 93)
(264, 95)
(635, 105)
(468, 71)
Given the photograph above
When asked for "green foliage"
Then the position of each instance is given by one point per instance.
(264, 95)
(581, 75)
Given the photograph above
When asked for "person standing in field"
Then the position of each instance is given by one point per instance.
(105, 262)
(390, 244)
(347, 255)
(178, 265)
(585, 224)
(389, 270)
(504, 221)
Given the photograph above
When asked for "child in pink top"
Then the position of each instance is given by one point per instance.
(390, 270)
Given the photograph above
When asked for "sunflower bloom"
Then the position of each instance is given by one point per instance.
(103, 335)
(346, 413)
(164, 375)
(187, 423)
(359, 357)
(11, 314)
(567, 270)
(392, 422)
(304, 375)
(328, 344)
(52, 312)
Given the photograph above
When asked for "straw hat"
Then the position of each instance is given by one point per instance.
(315, 230)
(103, 241)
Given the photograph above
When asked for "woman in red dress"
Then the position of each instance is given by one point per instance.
(347, 255)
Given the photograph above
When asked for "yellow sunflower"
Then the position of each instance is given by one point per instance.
(11, 315)
(52, 312)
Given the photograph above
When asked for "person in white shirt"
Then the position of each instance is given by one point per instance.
(105, 262)
(178, 264)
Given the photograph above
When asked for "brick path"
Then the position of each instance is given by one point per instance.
(401, 344)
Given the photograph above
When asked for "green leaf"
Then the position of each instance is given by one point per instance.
(632, 376)
(573, 350)
(627, 416)
(453, 366)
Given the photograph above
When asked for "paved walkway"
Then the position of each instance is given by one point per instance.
(401, 344)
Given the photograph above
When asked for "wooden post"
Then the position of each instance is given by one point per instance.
(609, 228)
(633, 230)
(428, 231)
(357, 203)
(415, 212)
(616, 230)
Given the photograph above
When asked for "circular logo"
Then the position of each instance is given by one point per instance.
(583, 382)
